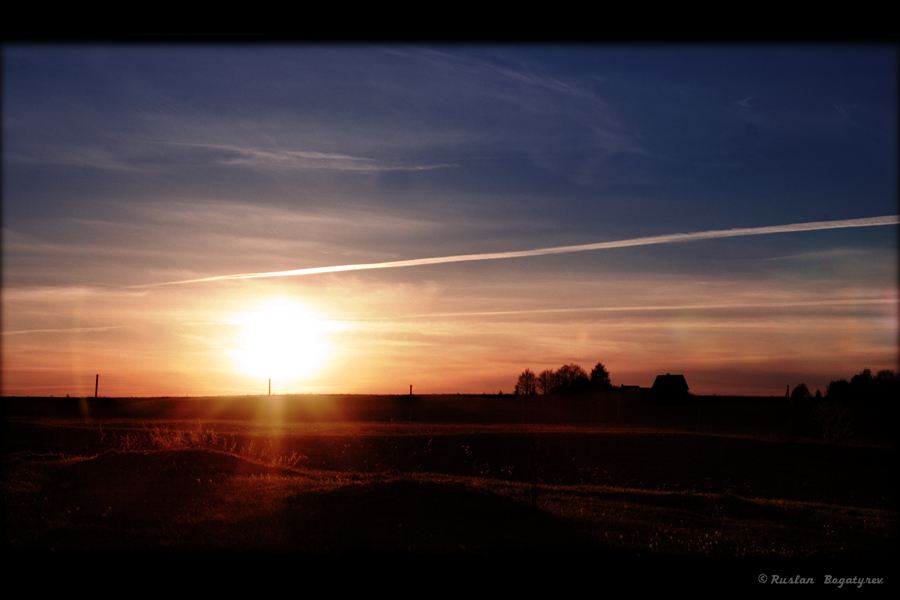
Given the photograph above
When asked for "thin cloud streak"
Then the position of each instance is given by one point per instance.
(302, 160)
(67, 330)
(857, 301)
(644, 241)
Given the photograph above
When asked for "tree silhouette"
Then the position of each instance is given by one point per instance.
(568, 379)
(863, 378)
(600, 378)
(571, 378)
(866, 388)
(527, 384)
(801, 391)
(546, 381)
(838, 390)
(886, 376)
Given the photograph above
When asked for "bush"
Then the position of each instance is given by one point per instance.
(834, 418)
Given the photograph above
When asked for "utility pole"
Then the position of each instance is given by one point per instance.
(96, 384)
(410, 389)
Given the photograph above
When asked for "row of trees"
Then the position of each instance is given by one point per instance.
(862, 387)
(568, 379)
(867, 401)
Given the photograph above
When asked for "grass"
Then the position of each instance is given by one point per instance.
(76, 486)
(205, 502)
(156, 439)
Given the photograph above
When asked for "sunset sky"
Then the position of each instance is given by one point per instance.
(131, 172)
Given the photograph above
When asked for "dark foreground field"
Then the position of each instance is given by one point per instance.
(120, 482)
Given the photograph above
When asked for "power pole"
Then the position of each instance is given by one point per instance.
(96, 384)
(410, 389)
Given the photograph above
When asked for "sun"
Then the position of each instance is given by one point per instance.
(280, 340)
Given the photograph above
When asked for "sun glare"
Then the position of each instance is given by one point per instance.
(280, 340)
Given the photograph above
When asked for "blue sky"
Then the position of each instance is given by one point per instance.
(128, 166)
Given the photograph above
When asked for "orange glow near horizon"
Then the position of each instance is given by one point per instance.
(359, 335)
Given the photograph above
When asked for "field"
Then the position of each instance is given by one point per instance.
(437, 476)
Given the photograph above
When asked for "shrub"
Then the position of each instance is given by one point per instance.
(834, 418)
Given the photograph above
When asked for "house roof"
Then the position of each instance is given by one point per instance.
(670, 383)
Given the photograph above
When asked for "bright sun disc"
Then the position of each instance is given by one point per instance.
(279, 340)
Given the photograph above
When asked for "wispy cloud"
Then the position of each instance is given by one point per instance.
(63, 330)
(712, 306)
(643, 241)
(303, 159)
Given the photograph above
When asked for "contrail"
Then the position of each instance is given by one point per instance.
(854, 122)
(644, 241)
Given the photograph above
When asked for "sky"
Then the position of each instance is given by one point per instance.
(445, 216)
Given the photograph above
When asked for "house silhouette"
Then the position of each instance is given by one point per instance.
(670, 385)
